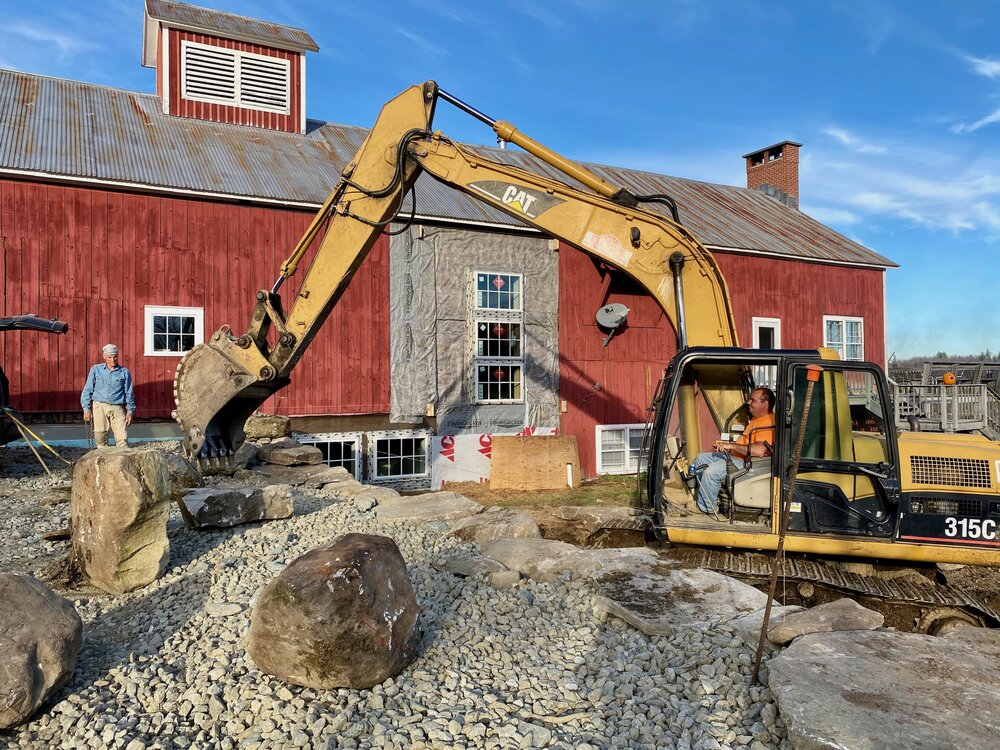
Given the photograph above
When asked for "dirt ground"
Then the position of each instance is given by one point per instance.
(541, 504)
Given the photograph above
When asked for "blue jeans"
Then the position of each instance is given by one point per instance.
(709, 479)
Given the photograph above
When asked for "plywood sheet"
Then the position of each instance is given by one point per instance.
(534, 462)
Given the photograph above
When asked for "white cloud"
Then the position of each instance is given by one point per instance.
(830, 215)
(67, 44)
(984, 66)
(422, 42)
(855, 143)
(974, 126)
(952, 190)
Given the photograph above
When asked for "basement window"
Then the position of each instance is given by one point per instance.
(846, 336)
(172, 331)
(398, 454)
(498, 321)
(338, 449)
(235, 78)
(618, 448)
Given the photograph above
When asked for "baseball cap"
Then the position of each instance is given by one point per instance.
(110, 350)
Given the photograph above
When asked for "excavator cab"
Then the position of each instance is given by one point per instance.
(859, 489)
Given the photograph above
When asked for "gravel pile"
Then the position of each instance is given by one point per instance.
(525, 667)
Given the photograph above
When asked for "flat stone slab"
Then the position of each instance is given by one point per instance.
(222, 507)
(875, 690)
(749, 625)
(546, 559)
(432, 506)
(295, 455)
(466, 565)
(496, 523)
(843, 614)
(660, 599)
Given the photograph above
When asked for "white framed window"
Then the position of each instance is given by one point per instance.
(171, 331)
(766, 333)
(498, 322)
(618, 448)
(845, 335)
(397, 455)
(338, 449)
(236, 78)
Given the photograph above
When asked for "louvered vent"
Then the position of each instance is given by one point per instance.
(954, 472)
(264, 83)
(239, 79)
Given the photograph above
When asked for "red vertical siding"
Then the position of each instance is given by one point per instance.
(799, 293)
(290, 123)
(612, 384)
(97, 258)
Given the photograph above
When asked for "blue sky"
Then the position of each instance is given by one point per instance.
(897, 105)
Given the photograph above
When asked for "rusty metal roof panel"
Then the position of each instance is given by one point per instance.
(229, 25)
(69, 129)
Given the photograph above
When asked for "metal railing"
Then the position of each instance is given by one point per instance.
(992, 430)
(948, 408)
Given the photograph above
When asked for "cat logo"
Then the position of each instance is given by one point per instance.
(518, 198)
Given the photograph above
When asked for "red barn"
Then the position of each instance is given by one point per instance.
(150, 220)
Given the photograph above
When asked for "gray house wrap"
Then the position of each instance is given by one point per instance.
(431, 285)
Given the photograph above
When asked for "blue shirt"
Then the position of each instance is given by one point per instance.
(109, 387)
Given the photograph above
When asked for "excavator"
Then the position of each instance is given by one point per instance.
(860, 490)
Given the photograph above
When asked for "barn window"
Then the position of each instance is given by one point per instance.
(338, 449)
(845, 335)
(239, 79)
(171, 331)
(498, 318)
(618, 448)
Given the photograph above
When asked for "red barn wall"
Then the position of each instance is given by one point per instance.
(290, 123)
(95, 258)
(627, 370)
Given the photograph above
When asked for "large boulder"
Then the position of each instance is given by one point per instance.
(842, 614)
(496, 523)
(118, 524)
(267, 426)
(40, 637)
(343, 615)
(221, 507)
(182, 475)
(289, 455)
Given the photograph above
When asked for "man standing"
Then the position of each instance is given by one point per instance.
(757, 440)
(108, 399)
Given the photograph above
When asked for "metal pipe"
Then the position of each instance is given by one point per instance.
(676, 267)
(468, 109)
(509, 133)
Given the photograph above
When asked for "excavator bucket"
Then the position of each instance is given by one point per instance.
(215, 394)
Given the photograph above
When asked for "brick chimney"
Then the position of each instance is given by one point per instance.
(775, 171)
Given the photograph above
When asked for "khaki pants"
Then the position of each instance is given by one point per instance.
(109, 416)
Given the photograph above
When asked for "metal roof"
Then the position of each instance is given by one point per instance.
(206, 21)
(52, 127)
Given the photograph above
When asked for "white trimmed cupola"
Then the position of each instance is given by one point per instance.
(222, 67)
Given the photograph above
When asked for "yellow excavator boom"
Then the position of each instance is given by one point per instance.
(218, 384)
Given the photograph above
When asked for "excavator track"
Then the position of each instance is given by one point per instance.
(756, 567)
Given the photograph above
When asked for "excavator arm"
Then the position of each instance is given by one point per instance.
(220, 383)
